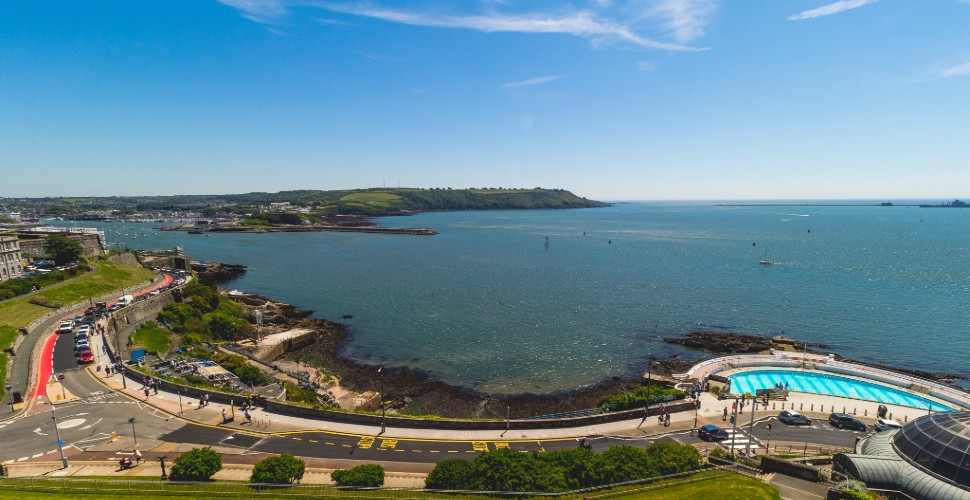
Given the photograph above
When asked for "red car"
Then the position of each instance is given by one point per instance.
(86, 357)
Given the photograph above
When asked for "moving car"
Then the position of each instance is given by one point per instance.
(792, 417)
(885, 424)
(65, 326)
(712, 432)
(846, 421)
(86, 356)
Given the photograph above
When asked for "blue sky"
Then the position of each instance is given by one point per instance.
(638, 100)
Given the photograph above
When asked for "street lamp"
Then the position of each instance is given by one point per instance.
(133, 435)
(57, 434)
(181, 412)
(380, 371)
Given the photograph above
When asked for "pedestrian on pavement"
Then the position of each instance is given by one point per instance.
(223, 415)
(107, 370)
(201, 401)
(146, 393)
(155, 385)
(724, 418)
(137, 457)
(249, 418)
(206, 396)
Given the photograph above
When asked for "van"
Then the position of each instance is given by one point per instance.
(125, 300)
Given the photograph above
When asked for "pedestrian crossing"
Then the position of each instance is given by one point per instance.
(741, 440)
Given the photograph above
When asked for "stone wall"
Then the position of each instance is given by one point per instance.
(34, 244)
(787, 468)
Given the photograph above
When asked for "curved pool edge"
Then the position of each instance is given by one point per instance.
(958, 400)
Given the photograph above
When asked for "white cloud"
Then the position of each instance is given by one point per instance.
(958, 70)
(539, 80)
(832, 8)
(684, 19)
(582, 23)
(260, 11)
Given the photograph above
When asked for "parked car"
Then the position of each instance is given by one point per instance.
(81, 346)
(81, 337)
(885, 424)
(712, 432)
(846, 421)
(86, 356)
(792, 417)
(65, 326)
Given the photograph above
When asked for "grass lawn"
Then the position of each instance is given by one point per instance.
(380, 199)
(724, 485)
(155, 338)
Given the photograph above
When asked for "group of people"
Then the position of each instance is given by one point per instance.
(150, 384)
(664, 417)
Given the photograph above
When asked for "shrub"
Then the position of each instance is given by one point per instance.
(281, 469)
(249, 374)
(197, 464)
(639, 397)
(451, 474)
(671, 458)
(364, 476)
(626, 463)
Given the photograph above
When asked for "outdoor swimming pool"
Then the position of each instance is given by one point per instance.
(829, 385)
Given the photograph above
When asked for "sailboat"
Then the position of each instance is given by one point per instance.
(765, 260)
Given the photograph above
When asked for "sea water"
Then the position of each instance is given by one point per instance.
(512, 301)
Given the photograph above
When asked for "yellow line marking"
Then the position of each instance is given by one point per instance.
(345, 445)
(434, 451)
(479, 446)
(297, 439)
(500, 445)
(452, 451)
(329, 443)
(415, 451)
(313, 441)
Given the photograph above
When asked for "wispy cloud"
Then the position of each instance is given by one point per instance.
(646, 66)
(685, 20)
(832, 8)
(531, 82)
(260, 11)
(601, 21)
(958, 70)
(582, 23)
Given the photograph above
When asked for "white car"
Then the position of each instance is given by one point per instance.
(884, 424)
(65, 327)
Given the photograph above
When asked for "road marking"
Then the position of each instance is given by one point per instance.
(388, 443)
(479, 446)
(297, 439)
(501, 445)
(434, 451)
(345, 445)
(366, 442)
(452, 451)
(91, 425)
(313, 440)
(328, 443)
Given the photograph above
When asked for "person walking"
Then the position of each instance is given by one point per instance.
(724, 418)
(249, 418)
(223, 415)
(137, 457)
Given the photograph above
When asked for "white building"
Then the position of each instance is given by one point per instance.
(11, 262)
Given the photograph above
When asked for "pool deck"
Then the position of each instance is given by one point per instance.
(818, 405)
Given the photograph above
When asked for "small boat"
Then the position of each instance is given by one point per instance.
(765, 260)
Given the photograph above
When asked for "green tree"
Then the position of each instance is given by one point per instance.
(221, 326)
(204, 298)
(364, 476)
(671, 458)
(62, 249)
(451, 474)
(625, 463)
(579, 465)
(281, 469)
(249, 374)
(197, 464)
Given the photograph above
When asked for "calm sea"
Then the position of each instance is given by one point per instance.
(516, 301)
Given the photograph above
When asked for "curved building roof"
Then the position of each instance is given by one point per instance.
(928, 458)
(939, 444)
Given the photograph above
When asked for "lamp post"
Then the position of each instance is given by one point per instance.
(380, 371)
(133, 435)
(734, 425)
(179, 392)
(57, 434)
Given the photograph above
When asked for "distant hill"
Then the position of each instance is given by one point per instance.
(366, 202)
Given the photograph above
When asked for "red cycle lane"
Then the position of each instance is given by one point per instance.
(45, 367)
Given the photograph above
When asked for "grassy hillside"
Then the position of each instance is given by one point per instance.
(375, 201)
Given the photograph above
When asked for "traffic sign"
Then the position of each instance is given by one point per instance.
(60, 442)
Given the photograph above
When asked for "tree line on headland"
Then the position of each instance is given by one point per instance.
(362, 202)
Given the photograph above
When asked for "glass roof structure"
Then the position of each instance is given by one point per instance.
(938, 443)
(929, 458)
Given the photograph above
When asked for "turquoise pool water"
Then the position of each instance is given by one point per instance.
(829, 385)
